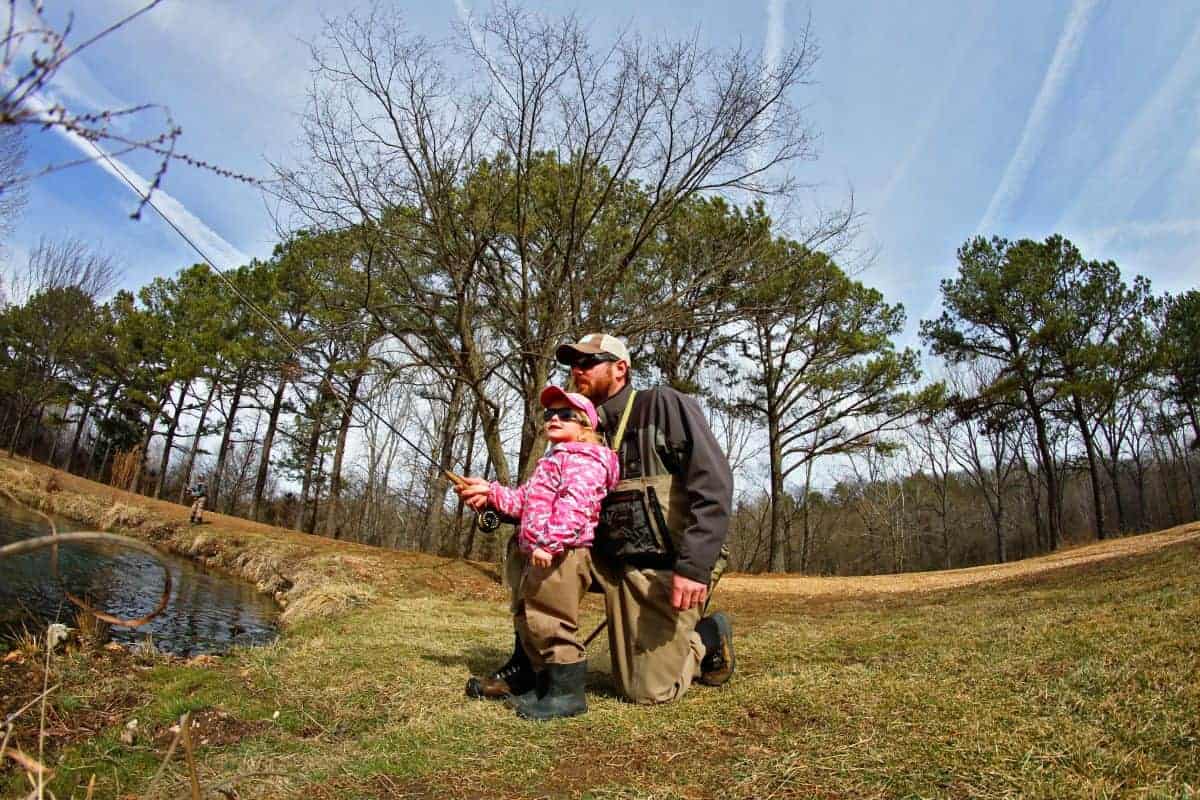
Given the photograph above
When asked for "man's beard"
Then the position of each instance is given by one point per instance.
(599, 385)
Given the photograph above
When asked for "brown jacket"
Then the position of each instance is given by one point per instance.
(667, 433)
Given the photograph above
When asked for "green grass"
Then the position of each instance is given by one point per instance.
(1077, 683)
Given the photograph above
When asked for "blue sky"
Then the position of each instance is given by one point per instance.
(945, 118)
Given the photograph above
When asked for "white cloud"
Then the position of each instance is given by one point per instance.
(1033, 135)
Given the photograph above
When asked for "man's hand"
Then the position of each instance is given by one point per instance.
(474, 492)
(687, 593)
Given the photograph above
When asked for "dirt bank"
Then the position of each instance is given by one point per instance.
(309, 576)
(315, 576)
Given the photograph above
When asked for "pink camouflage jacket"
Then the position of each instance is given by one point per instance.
(559, 505)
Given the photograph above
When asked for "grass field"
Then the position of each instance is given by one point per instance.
(1074, 676)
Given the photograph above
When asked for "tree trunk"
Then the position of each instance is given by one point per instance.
(84, 412)
(37, 430)
(1089, 447)
(54, 441)
(264, 464)
(533, 432)
(191, 456)
(1054, 513)
(1112, 468)
(137, 478)
(333, 522)
(805, 519)
(1035, 498)
(777, 549)
(243, 467)
(1182, 457)
(169, 443)
(214, 484)
(490, 420)
(317, 411)
(467, 467)
(438, 482)
(16, 434)
(311, 527)
(1139, 477)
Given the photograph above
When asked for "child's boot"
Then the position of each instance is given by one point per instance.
(564, 694)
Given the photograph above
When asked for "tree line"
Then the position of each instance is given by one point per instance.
(453, 228)
(1064, 407)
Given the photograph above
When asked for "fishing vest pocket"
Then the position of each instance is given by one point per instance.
(639, 523)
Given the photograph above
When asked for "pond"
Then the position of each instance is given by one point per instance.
(207, 612)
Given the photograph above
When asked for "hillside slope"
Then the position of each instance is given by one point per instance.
(1073, 675)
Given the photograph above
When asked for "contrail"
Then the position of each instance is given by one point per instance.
(1033, 137)
(775, 31)
(213, 243)
(1142, 153)
(772, 51)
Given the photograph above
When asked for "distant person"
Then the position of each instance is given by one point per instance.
(199, 495)
(659, 546)
(558, 508)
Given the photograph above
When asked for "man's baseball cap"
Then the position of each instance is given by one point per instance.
(594, 344)
(552, 394)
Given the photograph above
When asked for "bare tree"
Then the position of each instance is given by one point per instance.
(69, 262)
(881, 501)
(983, 442)
(488, 205)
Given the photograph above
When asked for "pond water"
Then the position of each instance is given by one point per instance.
(207, 612)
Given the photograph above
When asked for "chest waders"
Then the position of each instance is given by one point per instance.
(643, 519)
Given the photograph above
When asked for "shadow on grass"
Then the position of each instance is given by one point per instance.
(482, 660)
(476, 660)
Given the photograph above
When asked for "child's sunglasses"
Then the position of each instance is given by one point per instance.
(565, 414)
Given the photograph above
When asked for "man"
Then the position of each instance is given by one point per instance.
(199, 495)
(653, 600)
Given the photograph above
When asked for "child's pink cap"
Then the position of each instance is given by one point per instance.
(553, 394)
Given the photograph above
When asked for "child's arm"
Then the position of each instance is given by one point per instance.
(509, 502)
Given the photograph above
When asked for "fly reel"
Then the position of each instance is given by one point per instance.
(488, 521)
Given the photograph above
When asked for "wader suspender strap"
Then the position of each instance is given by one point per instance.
(620, 434)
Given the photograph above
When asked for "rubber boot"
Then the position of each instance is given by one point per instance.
(541, 682)
(515, 677)
(564, 695)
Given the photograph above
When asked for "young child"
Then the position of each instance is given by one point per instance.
(559, 507)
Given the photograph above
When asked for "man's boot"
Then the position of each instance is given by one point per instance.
(514, 678)
(563, 696)
(716, 632)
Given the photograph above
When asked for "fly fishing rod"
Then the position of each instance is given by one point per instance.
(487, 520)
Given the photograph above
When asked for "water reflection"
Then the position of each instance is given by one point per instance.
(207, 613)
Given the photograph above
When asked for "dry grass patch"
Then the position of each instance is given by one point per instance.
(1073, 676)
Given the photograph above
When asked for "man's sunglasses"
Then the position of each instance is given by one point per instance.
(565, 414)
(587, 362)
